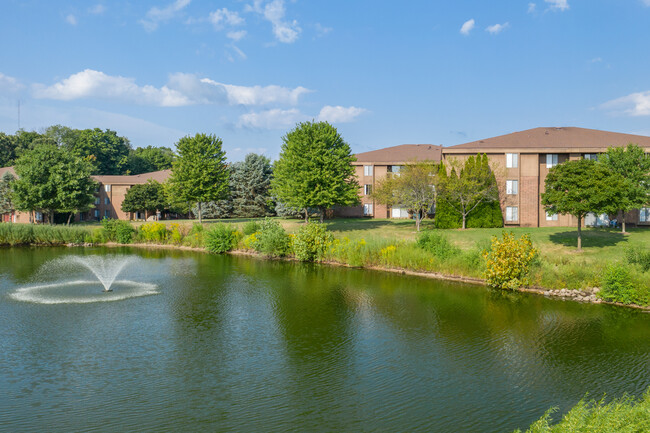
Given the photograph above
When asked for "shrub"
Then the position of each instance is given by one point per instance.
(117, 230)
(221, 238)
(353, 252)
(175, 234)
(618, 285)
(251, 227)
(195, 237)
(272, 240)
(153, 232)
(485, 215)
(436, 244)
(508, 261)
(639, 256)
(311, 242)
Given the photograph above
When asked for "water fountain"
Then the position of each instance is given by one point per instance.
(104, 268)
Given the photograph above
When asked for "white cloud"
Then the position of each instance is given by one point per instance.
(156, 15)
(635, 104)
(98, 9)
(181, 90)
(497, 28)
(560, 5)
(322, 30)
(236, 36)
(271, 119)
(339, 114)
(223, 16)
(467, 27)
(9, 84)
(646, 2)
(531, 8)
(71, 19)
(284, 31)
(598, 59)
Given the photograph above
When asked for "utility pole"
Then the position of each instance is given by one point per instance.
(19, 115)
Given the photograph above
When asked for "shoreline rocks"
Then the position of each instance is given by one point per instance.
(584, 295)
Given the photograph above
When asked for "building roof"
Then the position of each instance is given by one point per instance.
(402, 154)
(565, 139)
(159, 176)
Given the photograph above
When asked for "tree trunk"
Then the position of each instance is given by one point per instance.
(200, 214)
(418, 219)
(69, 216)
(579, 232)
(623, 223)
(306, 216)
(464, 219)
(51, 217)
(322, 214)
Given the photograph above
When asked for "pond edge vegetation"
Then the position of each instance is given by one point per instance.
(505, 262)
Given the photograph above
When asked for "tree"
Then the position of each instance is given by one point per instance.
(52, 180)
(473, 186)
(150, 158)
(315, 169)
(147, 197)
(414, 188)
(199, 174)
(250, 182)
(107, 152)
(632, 165)
(579, 187)
(7, 149)
(6, 193)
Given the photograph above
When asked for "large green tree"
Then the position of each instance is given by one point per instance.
(632, 165)
(199, 174)
(52, 180)
(6, 193)
(147, 197)
(473, 186)
(107, 152)
(7, 149)
(579, 187)
(413, 188)
(150, 158)
(315, 169)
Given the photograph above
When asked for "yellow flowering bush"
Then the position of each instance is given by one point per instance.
(508, 261)
(311, 242)
(153, 232)
(250, 241)
(175, 233)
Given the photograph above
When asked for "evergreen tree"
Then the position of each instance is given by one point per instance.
(6, 193)
(250, 182)
(315, 169)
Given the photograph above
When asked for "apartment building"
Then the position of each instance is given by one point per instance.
(520, 160)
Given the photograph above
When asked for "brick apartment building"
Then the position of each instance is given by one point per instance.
(109, 196)
(520, 161)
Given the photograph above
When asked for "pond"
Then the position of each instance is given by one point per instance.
(189, 341)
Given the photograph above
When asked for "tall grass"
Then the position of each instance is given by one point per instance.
(626, 414)
(30, 234)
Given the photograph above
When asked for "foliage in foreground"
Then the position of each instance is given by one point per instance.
(32, 234)
(222, 238)
(508, 261)
(119, 231)
(271, 240)
(311, 242)
(626, 414)
(619, 285)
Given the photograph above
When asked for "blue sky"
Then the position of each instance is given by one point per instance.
(384, 73)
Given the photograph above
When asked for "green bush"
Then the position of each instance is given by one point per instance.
(251, 227)
(486, 215)
(153, 232)
(436, 244)
(221, 238)
(618, 285)
(508, 261)
(625, 414)
(639, 256)
(117, 231)
(195, 236)
(272, 240)
(311, 242)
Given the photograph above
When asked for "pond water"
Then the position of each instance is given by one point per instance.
(189, 341)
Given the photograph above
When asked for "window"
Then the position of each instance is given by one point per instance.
(107, 188)
(367, 189)
(107, 200)
(551, 160)
(97, 201)
(367, 209)
(397, 212)
(96, 213)
(512, 187)
(551, 217)
(107, 213)
(512, 213)
(512, 160)
(591, 156)
(367, 170)
(394, 168)
(644, 215)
